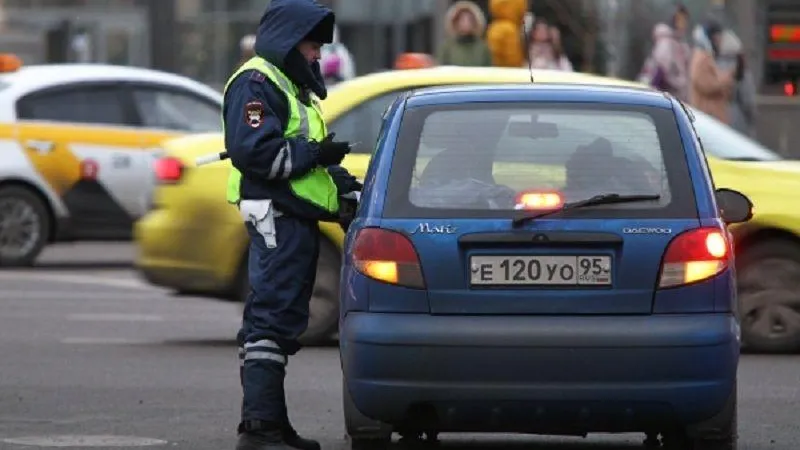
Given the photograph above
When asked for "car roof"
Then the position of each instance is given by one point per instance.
(349, 93)
(35, 77)
(552, 92)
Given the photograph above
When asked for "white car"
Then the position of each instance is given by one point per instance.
(78, 142)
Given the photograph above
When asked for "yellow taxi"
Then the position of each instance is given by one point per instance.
(77, 144)
(194, 242)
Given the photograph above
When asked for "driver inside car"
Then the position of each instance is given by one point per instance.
(463, 169)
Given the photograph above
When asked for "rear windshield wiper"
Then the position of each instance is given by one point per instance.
(602, 199)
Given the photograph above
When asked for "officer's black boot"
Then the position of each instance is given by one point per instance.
(290, 435)
(294, 440)
(257, 435)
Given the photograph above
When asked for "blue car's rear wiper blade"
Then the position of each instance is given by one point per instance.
(602, 199)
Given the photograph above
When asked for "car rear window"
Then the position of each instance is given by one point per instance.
(475, 160)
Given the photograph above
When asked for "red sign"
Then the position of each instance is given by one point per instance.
(785, 33)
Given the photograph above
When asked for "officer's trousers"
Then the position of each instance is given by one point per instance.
(275, 314)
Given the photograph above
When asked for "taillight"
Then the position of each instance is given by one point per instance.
(387, 256)
(695, 255)
(168, 169)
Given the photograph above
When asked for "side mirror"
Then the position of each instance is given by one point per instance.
(734, 206)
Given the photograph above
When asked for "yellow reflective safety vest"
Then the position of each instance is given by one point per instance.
(317, 186)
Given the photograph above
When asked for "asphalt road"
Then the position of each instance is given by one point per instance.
(91, 357)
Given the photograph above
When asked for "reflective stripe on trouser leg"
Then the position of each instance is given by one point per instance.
(264, 349)
(263, 373)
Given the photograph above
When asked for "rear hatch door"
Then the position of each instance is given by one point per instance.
(476, 168)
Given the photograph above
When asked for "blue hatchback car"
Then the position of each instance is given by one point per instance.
(543, 259)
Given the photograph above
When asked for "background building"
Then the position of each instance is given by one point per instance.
(200, 38)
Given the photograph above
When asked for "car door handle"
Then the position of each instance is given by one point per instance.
(42, 147)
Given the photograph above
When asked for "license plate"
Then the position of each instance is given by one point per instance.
(540, 270)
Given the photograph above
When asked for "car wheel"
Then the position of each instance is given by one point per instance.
(364, 433)
(24, 226)
(720, 432)
(324, 305)
(769, 296)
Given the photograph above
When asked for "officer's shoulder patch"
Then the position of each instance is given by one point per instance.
(254, 114)
(257, 77)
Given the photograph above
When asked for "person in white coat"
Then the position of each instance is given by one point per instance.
(742, 104)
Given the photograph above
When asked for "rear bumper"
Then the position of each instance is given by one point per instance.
(540, 374)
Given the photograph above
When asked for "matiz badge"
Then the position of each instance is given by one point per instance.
(254, 114)
(426, 228)
(647, 230)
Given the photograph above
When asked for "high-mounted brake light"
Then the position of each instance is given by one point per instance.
(695, 255)
(539, 200)
(169, 169)
(387, 256)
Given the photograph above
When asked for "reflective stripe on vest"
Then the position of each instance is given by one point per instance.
(317, 186)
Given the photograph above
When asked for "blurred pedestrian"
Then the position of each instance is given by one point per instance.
(680, 23)
(337, 62)
(465, 24)
(504, 36)
(711, 87)
(742, 106)
(665, 68)
(558, 47)
(543, 48)
(247, 48)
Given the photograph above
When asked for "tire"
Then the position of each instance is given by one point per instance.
(362, 432)
(21, 207)
(769, 296)
(717, 433)
(324, 305)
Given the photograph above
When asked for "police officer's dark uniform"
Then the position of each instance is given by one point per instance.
(285, 178)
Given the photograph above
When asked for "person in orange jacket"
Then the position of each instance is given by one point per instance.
(504, 35)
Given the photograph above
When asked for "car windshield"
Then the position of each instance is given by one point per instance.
(472, 159)
(724, 142)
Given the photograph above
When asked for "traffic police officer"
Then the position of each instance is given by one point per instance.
(285, 178)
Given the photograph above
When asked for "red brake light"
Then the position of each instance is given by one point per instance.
(89, 169)
(539, 200)
(387, 256)
(695, 255)
(169, 170)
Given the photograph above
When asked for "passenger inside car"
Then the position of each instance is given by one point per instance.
(595, 168)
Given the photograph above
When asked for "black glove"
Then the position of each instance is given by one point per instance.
(345, 182)
(331, 153)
